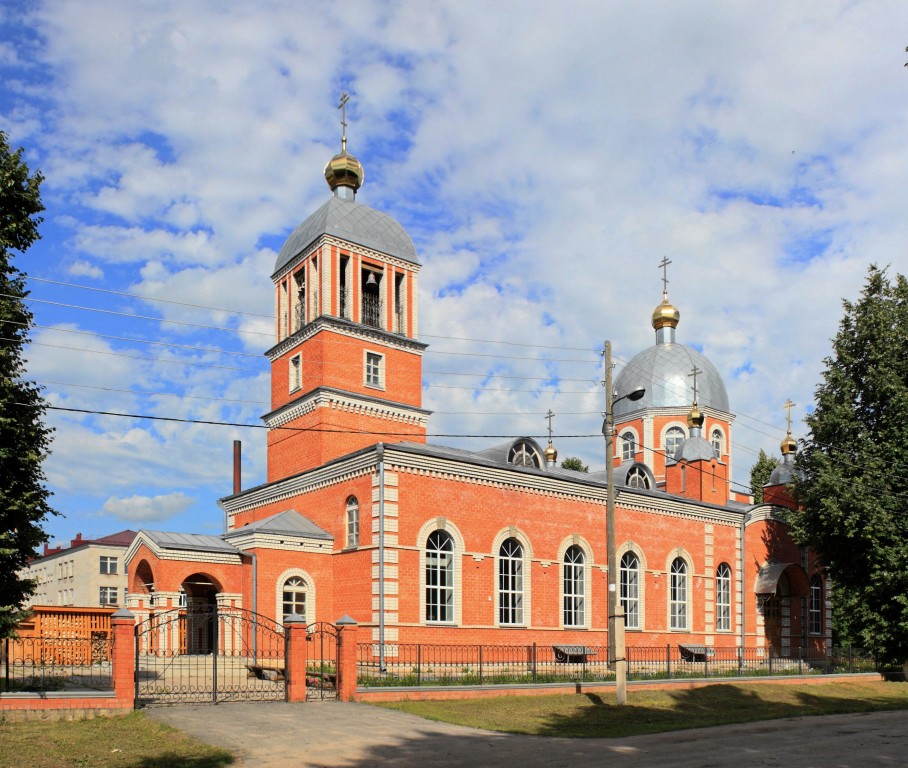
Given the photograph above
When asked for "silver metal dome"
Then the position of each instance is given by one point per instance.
(786, 472)
(351, 221)
(664, 369)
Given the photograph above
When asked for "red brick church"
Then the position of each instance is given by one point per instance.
(425, 543)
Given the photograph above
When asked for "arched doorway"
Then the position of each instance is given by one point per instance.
(776, 617)
(201, 591)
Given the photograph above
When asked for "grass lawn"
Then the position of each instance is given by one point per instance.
(595, 715)
(129, 741)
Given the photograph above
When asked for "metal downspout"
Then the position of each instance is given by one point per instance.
(255, 603)
(380, 450)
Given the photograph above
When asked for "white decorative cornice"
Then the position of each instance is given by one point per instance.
(350, 402)
(348, 328)
(766, 512)
(284, 541)
(350, 247)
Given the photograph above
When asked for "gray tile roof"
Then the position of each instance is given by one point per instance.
(351, 221)
(197, 542)
(289, 523)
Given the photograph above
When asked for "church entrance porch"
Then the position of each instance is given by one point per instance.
(209, 654)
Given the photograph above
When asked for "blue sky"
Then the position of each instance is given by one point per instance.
(543, 157)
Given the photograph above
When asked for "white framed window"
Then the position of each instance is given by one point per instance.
(574, 594)
(352, 522)
(108, 565)
(374, 373)
(629, 574)
(674, 436)
(723, 598)
(815, 606)
(108, 596)
(717, 440)
(637, 478)
(294, 596)
(628, 446)
(510, 582)
(677, 594)
(439, 577)
(296, 372)
(523, 454)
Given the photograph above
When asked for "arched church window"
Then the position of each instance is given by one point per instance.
(677, 594)
(294, 600)
(636, 478)
(630, 589)
(523, 454)
(673, 439)
(439, 577)
(815, 607)
(716, 440)
(723, 598)
(352, 522)
(574, 588)
(510, 582)
(628, 446)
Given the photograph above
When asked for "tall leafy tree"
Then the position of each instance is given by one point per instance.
(854, 492)
(24, 439)
(573, 462)
(759, 474)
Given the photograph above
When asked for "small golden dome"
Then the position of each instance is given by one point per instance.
(344, 170)
(788, 445)
(665, 315)
(551, 455)
(695, 418)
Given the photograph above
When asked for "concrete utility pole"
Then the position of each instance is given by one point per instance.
(616, 651)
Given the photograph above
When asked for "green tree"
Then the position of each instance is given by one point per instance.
(24, 440)
(759, 474)
(855, 470)
(572, 462)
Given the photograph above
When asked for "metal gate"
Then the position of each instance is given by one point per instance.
(321, 661)
(209, 655)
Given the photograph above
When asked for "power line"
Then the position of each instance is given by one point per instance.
(148, 298)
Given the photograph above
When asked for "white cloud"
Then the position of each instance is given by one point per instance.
(147, 509)
(81, 268)
(543, 162)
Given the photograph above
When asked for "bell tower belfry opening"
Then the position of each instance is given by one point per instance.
(346, 370)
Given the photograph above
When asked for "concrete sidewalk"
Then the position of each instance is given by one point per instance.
(312, 735)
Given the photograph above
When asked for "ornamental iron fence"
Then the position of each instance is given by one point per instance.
(40, 664)
(428, 664)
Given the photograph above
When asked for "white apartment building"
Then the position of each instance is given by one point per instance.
(87, 573)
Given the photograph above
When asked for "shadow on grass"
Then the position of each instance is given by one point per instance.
(174, 760)
(649, 712)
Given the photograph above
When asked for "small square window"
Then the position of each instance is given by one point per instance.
(108, 596)
(296, 372)
(374, 373)
(109, 565)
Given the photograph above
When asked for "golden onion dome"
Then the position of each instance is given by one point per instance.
(788, 445)
(695, 418)
(666, 315)
(344, 170)
(551, 455)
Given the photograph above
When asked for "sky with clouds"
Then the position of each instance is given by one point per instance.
(544, 157)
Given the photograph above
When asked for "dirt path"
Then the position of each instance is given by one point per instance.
(275, 734)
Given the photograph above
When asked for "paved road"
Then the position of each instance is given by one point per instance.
(273, 734)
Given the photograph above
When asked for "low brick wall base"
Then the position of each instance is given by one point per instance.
(18, 707)
(451, 693)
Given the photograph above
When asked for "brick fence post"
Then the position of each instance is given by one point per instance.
(123, 658)
(346, 658)
(295, 662)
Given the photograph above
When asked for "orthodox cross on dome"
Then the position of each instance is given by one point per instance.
(787, 407)
(548, 417)
(663, 265)
(343, 108)
(694, 373)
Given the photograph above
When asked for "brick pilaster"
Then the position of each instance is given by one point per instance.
(123, 660)
(295, 662)
(346, 658)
